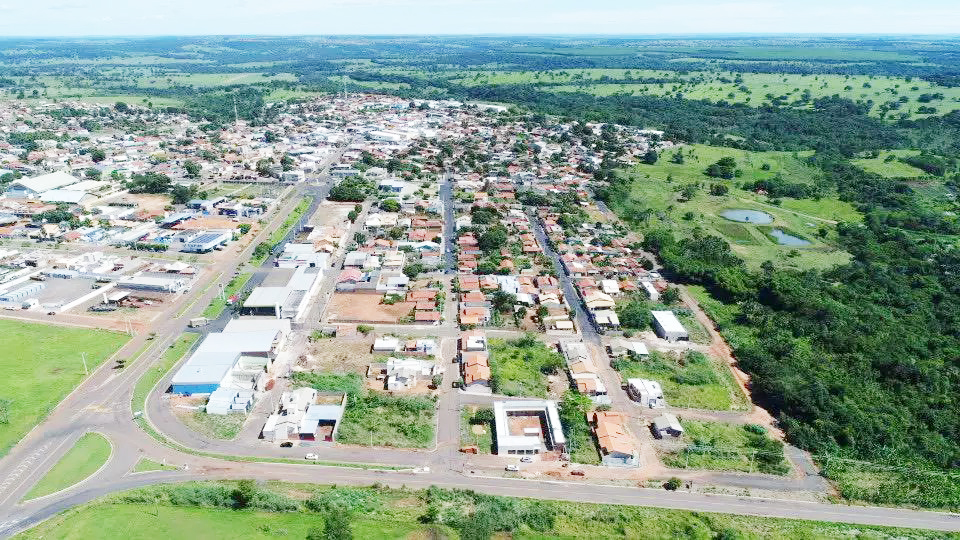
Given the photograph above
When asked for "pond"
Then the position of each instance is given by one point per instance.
(785, 239)
(747, 216)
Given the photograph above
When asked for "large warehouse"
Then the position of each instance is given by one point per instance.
(668, 327)
(228, 360)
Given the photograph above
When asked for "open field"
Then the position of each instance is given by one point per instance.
(84, 459)
(359, 307)
(692, 381)
(386, 513)
(225, 427)
(520, 370)
(659, 189)
(727, 447)
(339, 356)
(893, 168)
(42, 364)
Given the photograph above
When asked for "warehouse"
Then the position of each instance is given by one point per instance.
(25, 188)
(667, 326)
(527, 427)
(207, 241)
(284, 302)
(142, 282)
(22, 293)
(228, 360)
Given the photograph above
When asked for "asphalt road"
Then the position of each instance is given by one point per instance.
(102, 403)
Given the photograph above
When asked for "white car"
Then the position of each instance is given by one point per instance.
(314, 457)
(526, 459)
(513, 468)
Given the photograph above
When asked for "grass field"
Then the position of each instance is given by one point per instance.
(890, 169)
(727, 447)
(692, 381)
(219, 303)
(170, 357)
(378, 420)
(84, 459)
(479, 434)
(147, 465)
(521, 370)
(658, 188)
(42, 363)
(225, 427)
(401, 513)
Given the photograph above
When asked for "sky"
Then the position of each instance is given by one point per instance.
(326, 17)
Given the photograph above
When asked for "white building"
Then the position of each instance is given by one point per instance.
(648, 393)
(667, 326)
(405, 373)
(528, 427)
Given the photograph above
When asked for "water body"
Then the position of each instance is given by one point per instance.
(747, 216)
(785, 239)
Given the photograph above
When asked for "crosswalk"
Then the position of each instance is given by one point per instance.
(25, 465)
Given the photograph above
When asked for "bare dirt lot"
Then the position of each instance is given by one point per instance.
(147, 202)
(351, 307)
(339, 356)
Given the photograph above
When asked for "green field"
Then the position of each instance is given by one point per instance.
(43, 364)
(728, 85)
(890, 169)
(727, 447)
(658, 189)
(148, 465)
(520, 369)
(224, 427)
(413, 514)
(86, 457)
(692, 381)
(395, 421)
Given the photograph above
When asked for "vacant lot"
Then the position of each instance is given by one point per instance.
(691, 380)
(84, 459)
(225, 427)
(520, 367)
(42, 364)
(728, 447)
(476, 428)
(352, 307)
(339, 356)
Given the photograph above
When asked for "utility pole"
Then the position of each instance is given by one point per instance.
(86, 371)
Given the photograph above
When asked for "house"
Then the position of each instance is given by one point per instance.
(348, 279)
(606, 319)
(392, 282)
(609, 287)
(648, 393)
(622, 347)
(617, 448)
(472, 341)
(668, 327)
(405, 373)
(386, 344)
(666, 424)
(425, 316)
(476, 368)
(475, 315)
(527, 427)
(597, 300)
(320, 422)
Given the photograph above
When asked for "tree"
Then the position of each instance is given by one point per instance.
(150, 182)
(182, 194)
(390, 205)
(336, 524)
(265, 167)
(121, 107)
(724, 168)
(719, 189)
(192, 169)
(670, 296)
(286, 162)
(634, 313)
(413, 270)
(98, 155)
(495, 238)
(503, 301)
(93, 174)
(673, 484)
(651, 157)
(244, 493)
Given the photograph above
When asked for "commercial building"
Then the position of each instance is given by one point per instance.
(284, 302)
(30, 188)
(648, 393)
(206, 242)
(528, 427)
(234, 360)
(143, 282)
(667, 326)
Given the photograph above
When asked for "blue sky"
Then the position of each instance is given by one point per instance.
(191, 17)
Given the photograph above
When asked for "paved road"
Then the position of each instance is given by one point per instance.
(102, 403)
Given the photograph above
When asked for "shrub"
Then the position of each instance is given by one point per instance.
(673, 484)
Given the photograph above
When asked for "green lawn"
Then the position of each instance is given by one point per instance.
(479, 434)
(415, 514)
(727, 447)
(84, 459)
(519, 367)
(219, 303)
(170, 357)
(694, 380)
(41, 364)
(395, 421)
(147, 465)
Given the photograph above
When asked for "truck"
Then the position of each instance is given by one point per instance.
(198, 321)
(30, 303)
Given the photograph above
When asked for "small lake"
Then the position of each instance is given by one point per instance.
(785, 239)
(747, 216)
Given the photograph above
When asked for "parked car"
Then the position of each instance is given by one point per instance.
(513, 468)
(312, 457)
(286, 444)
(526, 459)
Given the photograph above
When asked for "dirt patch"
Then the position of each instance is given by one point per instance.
(153, 204)
(339, 356)
(351, 307)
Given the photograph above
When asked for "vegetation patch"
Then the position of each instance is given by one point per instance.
(519, 367)
(728, 447)
(220, 302)
(688, 380)
(148, 465)
(476, 428)
(169, 359)
(217, 426)
(43, 363)
(89, 453)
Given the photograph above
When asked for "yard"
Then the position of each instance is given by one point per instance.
(42, 363)
(86, 457)
(692, 380)
(476, 428)
(369, 308)
(520, 367)
(375, 419)
(728, 447)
